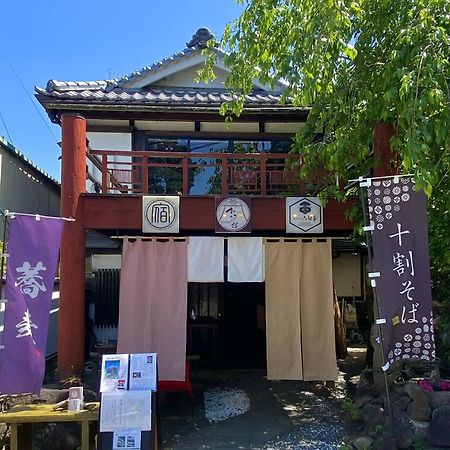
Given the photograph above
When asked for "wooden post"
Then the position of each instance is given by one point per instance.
(224, 168)
(386, 158)
(104, 174)
(263, 172)
(145, 175)
(185, 163)
(72, 263)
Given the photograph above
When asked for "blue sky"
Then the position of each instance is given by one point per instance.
(86, 40)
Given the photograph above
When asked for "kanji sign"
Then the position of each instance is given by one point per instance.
(161, 214)
(233, 215)
(400, 246)
(304, 215)
(33, 248)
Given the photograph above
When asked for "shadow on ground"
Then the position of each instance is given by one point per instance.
(283, 415)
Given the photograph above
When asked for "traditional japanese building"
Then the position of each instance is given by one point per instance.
(157, 132)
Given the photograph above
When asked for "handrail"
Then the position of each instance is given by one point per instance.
(242, 173)
(192, 155)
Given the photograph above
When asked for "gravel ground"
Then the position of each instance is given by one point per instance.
(223, 404)
(283, 415)
(317, 435)
(320, 422)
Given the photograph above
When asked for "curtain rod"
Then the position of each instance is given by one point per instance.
(37, 216)
(381, 178)
(228, 237)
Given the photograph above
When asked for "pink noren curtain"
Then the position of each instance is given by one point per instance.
(153, 303)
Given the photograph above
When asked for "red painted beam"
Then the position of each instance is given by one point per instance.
(72, 264)
(197, 213)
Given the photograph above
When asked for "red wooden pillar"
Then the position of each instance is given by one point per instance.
(72, 264)
(386, 158)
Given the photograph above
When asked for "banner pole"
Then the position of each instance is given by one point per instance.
(377, 309)
(3, 253)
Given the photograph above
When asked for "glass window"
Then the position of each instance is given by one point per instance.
(206, 176)
(166, 174)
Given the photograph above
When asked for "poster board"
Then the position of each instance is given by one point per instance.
(150, 440)
(129, 408)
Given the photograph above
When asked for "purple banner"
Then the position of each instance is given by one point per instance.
(400, 246)
(33, 248)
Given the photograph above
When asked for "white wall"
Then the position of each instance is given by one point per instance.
(108, 141)
(186, 78)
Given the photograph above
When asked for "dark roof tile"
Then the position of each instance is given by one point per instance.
(159, 96)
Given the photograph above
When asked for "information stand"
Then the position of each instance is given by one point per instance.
(125, 382)
(150, 440)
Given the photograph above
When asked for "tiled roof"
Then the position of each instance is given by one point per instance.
(123, 91)
(83, 92)
(107, 85)
(163, 63)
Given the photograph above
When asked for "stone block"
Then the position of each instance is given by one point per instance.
(440, 427)
(438, 399)
(411, 389)
(421, 409)
(421, 429)
(403, 432)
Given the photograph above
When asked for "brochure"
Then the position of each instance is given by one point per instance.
(114, 375)
(143, 371)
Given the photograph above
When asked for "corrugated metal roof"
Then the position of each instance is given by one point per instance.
(13, 150)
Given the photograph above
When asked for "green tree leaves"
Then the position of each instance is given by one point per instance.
(355, 63)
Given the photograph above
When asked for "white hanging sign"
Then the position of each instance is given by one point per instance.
(304, 215)
(160, 214)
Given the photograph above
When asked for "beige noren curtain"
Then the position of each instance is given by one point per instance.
(316, 300)
(299, 310)
(284, 354)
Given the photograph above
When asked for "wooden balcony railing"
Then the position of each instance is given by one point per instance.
(179, 173)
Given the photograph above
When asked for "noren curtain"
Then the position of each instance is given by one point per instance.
(299, 310)
(316, 302)
(153, 303)
(283, 328)
(245, 260)
(205, 259)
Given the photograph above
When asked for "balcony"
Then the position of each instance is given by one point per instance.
(188, 173)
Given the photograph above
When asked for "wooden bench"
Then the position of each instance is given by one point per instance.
(26, 415)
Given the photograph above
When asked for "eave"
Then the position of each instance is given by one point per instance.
(169, 112)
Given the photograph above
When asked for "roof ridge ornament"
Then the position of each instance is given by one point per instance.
(200, 39)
